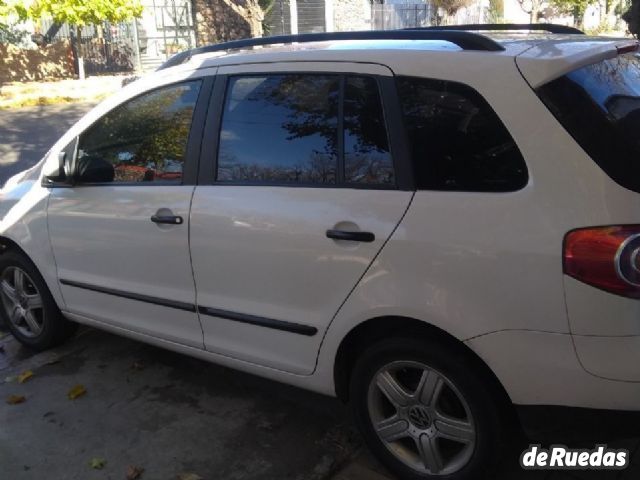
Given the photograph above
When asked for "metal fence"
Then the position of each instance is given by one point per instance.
(393, 16)
(107, 48)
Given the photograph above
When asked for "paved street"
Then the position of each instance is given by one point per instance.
(171, 414)
(27, 133)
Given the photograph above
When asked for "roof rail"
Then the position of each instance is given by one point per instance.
(465, 40)
(544, 27)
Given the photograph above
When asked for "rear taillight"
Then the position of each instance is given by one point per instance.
(605, 257)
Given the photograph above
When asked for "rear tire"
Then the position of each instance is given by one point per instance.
(428, 411)
(27, 307)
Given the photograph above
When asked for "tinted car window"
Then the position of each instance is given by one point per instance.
(143, 140)
(280, 129)
(599, 105)
(366, 149)
(457, 140)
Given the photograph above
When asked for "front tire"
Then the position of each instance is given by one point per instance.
(27, 307)
(426, 411)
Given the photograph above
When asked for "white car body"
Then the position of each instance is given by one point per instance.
(486, 268)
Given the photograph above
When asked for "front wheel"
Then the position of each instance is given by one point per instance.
(425, 411)
(26, 305)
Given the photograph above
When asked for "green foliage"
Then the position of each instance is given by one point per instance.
(86, 12)
(11, 13)
(12, 10)
(496, 11)
(577, 8)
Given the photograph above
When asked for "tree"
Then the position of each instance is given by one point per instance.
(11, 12)
(80, 13)
(632, 17)
(576, 8)
(532, 7)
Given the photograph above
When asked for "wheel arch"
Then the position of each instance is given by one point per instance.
(376, 329)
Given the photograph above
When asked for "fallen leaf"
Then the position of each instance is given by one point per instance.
(189, 476)
(97, 463)
(24, 376)
(15, 399)
(133, 472)
(10, 379)
(76, 392)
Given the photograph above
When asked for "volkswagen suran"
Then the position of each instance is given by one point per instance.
(433, 225)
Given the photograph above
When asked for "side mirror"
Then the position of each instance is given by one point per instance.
(63, 173)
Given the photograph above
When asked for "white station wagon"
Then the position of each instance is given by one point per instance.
(435, 225)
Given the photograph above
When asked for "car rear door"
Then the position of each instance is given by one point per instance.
(301, 184)
(121, 243)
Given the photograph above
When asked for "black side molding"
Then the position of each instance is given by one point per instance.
(260, 321)
(213, 312)
(132, 296)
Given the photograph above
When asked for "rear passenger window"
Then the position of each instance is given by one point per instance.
(280, 129)
(291, 129)
(457, 140)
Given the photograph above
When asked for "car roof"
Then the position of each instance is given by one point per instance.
(540, 57)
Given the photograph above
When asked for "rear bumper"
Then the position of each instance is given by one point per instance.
(613, 358)
(539, 368)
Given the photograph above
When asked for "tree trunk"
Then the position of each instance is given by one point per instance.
(79, 54)
(535, 10)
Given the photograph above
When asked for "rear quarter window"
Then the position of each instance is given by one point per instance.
(599, 106)
(458, 142)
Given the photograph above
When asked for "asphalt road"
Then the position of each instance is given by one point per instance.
(27, 133)
(171, 414)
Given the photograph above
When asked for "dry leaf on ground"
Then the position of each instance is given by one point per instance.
(76, 392)
(97, 463)
(189, 476)
(15, 399)
(24, 376)
(133, 472)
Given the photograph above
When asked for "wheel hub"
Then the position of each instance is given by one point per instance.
(419, 417)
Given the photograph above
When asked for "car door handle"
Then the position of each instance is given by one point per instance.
(351, 236)
(167, 219)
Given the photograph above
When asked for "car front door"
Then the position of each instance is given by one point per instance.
(299, 190)
(119, 231)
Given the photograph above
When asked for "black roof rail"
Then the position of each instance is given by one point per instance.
(465, 40)
(544, 27)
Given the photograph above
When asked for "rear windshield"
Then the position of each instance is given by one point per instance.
(599, 105)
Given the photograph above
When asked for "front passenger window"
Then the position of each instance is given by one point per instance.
(142, 140)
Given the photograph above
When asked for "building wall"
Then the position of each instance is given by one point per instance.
(350, 15)
(52, 62)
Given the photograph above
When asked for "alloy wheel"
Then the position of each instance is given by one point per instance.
(421, 417)
(22, 302)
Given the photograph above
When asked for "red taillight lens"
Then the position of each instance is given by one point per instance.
(605, 257)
